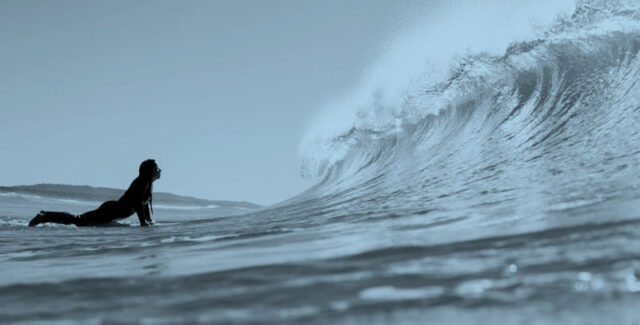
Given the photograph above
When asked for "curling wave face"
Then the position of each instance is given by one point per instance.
(555, 117)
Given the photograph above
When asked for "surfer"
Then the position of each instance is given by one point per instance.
(138, 198)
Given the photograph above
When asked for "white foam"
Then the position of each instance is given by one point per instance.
(388, 293)
(473, 287)
(27, 253)
(13, 194)
(177, 239)
(185, 207)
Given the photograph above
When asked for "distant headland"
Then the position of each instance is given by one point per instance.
(90, 193)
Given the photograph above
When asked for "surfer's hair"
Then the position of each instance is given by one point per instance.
(148, 168)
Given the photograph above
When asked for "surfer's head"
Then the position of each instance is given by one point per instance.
(149, 169)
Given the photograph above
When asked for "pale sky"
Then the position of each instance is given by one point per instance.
(218, 92)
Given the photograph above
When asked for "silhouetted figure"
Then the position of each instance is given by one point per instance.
(138, 198)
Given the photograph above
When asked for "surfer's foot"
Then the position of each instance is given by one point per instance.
(37, 219)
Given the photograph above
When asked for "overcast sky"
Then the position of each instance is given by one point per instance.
(218, 92)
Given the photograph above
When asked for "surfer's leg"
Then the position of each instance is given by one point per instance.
(56, 217)
(104, 214)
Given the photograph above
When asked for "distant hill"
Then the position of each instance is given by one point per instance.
(90, 193)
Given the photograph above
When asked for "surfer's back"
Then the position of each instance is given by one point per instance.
(137, 194)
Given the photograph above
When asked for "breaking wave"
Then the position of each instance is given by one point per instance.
(560, 103)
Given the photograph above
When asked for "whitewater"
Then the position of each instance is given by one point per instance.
(487, 174)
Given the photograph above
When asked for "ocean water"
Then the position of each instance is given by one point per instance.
(500, 187)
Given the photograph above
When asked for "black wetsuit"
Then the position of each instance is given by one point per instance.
(136, 199)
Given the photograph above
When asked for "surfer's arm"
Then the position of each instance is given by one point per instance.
(140, 213)
(147, 213)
